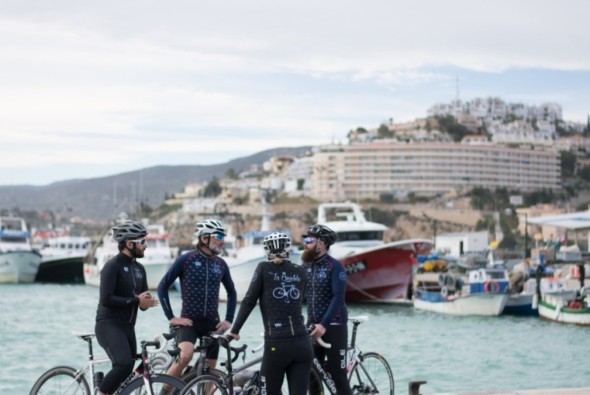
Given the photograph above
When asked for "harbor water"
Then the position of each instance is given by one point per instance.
(453, 354)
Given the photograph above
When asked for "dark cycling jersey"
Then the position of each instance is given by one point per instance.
(326, 284)
(121, 280)
(280, 289)
(200, 278)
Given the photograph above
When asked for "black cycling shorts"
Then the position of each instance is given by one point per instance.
(200, 328)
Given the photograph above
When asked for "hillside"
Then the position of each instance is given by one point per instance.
(101, 198)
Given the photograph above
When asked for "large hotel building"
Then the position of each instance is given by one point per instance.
(369, 170)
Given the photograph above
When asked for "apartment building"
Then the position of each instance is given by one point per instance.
(368, 170)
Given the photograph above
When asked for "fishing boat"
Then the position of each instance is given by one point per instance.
(62, 259)
(568, 307)
(561, 303)
(158, 257)
(521, 290)
(19, 263)
(376, 271)
(481, 292)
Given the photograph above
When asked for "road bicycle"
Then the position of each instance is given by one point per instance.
(241, 380)
(64, 380)
(163, 360)
(368, 373)
(201, 367)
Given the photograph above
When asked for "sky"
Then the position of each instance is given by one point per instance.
(91, 89)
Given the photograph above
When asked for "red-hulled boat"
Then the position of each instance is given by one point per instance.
(376, 271)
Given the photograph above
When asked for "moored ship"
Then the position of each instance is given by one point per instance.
(376, 271)
(19, 263)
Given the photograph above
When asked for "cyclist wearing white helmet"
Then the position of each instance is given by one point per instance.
(279, 285)
(201, 273)
(123, 289)
(325, 302)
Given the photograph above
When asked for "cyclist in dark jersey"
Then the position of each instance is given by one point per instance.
(326, 284)
(123, 289)
(279, 286)
(201, 272)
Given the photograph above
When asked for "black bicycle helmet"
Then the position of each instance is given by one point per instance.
(130, 230)
(276, 244)
(321, 232)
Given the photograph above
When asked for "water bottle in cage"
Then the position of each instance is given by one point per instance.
(350, 358)
(98, 376)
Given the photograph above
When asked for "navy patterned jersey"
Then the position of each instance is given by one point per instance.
(326, 284)
(200, 279)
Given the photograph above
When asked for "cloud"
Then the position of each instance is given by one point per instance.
(117, 82)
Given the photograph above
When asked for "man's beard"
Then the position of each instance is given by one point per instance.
(309, 256)
(215, 250)
(137, 252)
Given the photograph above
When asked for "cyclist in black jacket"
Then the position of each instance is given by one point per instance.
(279, 285)
(201, 273)
(326, 284)
(123, 289)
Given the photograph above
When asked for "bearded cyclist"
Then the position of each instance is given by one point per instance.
(123, 289)
(326, 284)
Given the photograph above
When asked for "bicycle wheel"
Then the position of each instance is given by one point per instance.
(372, 375)
(160, 382)
(62, 380)
(315, 386)
(193, 374)
(205, 385)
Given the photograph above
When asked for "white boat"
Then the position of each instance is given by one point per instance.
(483, 292)
(561, 303)
(19, 263)
(62, 259)
(103, 252)
(158, 257)
(567, 306)
(376, 271)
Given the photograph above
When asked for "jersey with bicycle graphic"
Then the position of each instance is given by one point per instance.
(280, 288)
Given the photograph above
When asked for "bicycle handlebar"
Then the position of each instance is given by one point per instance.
(323, 343)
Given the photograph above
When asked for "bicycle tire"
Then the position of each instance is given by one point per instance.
(372, 375)
(205, 384)
(315, 387)
(61, 380)
(193, 374)
(137, 385)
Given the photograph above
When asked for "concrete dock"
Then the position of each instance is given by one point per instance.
(554, 391)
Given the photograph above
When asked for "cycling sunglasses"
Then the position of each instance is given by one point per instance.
(218, 236)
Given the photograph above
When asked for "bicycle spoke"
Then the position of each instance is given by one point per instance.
(372, 376)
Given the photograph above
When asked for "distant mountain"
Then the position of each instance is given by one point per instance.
(102, 198)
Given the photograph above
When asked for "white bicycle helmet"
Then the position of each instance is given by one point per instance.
(209, 226)
(130, 230)
(276, 244)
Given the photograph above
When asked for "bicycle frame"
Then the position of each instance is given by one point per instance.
(89, 370)
(354, 357)
(323, 376)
